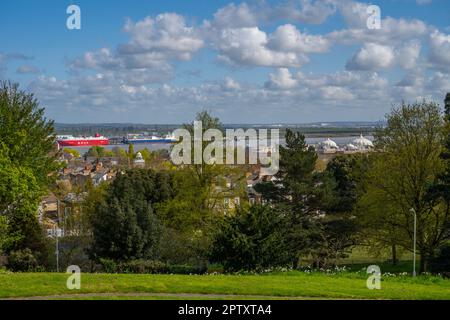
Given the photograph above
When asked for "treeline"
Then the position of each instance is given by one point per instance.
(192, 218)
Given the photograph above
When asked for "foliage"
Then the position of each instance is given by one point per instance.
(99, 152)
(27, 161)
(441, 262)
(22, 260)
(399, 179)
(3, 232)
(125, 226)
(251, 240)
(73, 152)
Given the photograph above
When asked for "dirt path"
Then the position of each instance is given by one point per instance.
(162, 295)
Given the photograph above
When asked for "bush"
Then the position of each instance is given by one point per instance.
(251, 240)
(187, 269)
(441, 263)
(108, 265)
(22, 260)
(142, 266)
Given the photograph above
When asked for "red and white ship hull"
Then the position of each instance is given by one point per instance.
(71, 141)
(83, 143)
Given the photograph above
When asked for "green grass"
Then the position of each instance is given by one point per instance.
(289, 284)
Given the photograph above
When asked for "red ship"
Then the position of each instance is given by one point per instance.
(71, 141)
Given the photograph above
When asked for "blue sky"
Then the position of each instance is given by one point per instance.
(258, 61)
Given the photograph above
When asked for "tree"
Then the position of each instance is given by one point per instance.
(99, 152)
(125, 226)
(338, 226)
(407, 164)
(298, 193)
(27, 161)
(73, 152)
(131, 153)
(251, 240)
(3, 232)
(441, 189)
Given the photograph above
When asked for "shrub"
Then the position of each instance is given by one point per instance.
(251, 240)
(22, 260)
(441, 263)
(187, 269)
(108, 265)
(142, 266)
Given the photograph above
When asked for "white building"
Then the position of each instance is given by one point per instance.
(362, 143)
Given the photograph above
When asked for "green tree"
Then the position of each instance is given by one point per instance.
(251, 240)
(298, 193)
(131, 153)
(73, 152)
(407, 164)
(125, 226)
(338, 230)
(3, 232)
(99, 152)
(27, 161)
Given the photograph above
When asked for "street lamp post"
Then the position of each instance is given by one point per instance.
(57, 250)
(414, 244)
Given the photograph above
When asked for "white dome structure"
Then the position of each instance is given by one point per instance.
(362, 143)
(139, 160)
(329, 144)
(351, 147)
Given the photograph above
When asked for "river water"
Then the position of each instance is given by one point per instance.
(341, 141)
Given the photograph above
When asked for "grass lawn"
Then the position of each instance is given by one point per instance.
(294, 284)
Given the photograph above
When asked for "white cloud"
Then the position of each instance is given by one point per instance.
(285, 47)
(354, 13)
(167, 34)
(281, 79)
(372, 57)
(249, 47)
(288, 38)
(232, 16)
(440, 50)
(231, 84)
(304, 11)
(408, 54)
(393, 31)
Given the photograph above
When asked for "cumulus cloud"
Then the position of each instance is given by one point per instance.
(286, 47)
(288, 38)
(232, 16)
(249, 47)
(392, 31)
(440, 50)
(146, 57)
(231, 84)
(136, 75)
(281, 79)
(408, 54)
(305, 11)
(372, 57)
(167, 33)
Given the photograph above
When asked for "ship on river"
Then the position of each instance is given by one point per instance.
(142, 138)
(83, 141)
